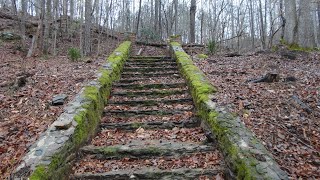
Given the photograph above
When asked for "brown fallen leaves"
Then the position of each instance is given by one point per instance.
(26, 112)
(115, 137)
(199, 160)
(285, 128)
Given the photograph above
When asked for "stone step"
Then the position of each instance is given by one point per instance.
(150, 60)
(149, 86)
(159, 64)
(130, 126)
(154, 74)
(149, 57)
(136, 150)
(151, 102)
(155, 93)
(152, 173)
(148, 69)
(146, 80)
(145, 112)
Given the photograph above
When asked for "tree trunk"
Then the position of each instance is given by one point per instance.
(175, 16)
(23, 23)
(306, 32)
(55, 29)
(71, 10)
(193, 8)
(156, 16)
(87, 29)
(47, 28)
(138, 18)
(283, 20)
(252, 25)
(291, 26)
(14, 7)
(262, 26)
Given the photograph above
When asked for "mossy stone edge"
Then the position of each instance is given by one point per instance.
(50, 157)
(244, 154)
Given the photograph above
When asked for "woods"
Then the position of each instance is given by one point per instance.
(190, 79)
(235, 25)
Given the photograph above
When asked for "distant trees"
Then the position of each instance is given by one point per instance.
(237, 25)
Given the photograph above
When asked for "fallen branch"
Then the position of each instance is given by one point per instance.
(299, 104)
(140, 51)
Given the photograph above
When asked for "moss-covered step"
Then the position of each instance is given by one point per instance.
(152, 173)
(49, 157)
(149, 75)
(151, 102)
(142, 151)
(146, 112)
(147, 69)
(154, 93)
(130, 126)
(149, 86)
(244, 153)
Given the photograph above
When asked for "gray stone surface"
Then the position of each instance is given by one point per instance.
(59, 99)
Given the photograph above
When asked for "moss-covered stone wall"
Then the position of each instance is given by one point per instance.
(244, 154)
(50, 157)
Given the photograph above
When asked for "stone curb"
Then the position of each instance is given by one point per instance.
(49, 157)
(244, 154)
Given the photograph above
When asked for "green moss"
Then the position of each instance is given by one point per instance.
(136, 125)
(175, 36)
(202, 56)
(109, 151)
(296, 47)
(39, 174)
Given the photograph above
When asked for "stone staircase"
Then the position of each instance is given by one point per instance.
(149, 130)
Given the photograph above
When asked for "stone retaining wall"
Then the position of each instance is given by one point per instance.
(50, 156)
(244, 154)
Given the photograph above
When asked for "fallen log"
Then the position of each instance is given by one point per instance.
(233, 55)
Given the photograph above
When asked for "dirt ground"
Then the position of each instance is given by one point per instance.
(285, 115)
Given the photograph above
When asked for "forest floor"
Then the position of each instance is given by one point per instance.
(27, 111)
(284, 115)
